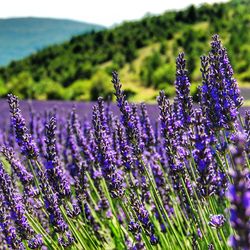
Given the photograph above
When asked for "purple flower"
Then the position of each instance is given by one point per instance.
(175, 146)
(52, 207)
(8, 231)
(25, 177)
(134, 227)
(217, 221)
(167, 126)
(153, 240)
(23, 138)
(239, 193)
(143, 216)
(67, 240)
(35, 242)
(128, 116)
(147, 130)
(210, 179)
(54, 171)
(83, 143)
(183, 100)
(247, 132)
(105, 155)
(12, 200)
(220, 95)
(124, 148)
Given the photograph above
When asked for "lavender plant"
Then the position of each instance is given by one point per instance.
(120, 182)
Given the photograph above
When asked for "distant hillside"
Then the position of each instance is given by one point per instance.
(20, 37)
(142, 51)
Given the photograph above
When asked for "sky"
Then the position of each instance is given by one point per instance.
(105, 12)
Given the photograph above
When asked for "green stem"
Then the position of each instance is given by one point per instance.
(73, 229)
(159, 203)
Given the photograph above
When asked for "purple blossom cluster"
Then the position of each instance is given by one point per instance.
(123, 181)
(220, 95)
(239, 196)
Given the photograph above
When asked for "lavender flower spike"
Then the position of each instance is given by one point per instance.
(24, 176)
(239, 196)
(220, 95)
(106, 157)
(16, 208)
(23, 138)
(54, 170)
(183, 100)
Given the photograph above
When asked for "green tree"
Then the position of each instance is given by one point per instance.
(164, 75)
(101, 86)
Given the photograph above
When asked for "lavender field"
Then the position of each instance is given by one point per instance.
(122, 176)
(83, 109)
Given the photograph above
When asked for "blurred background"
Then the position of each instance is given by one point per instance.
(66, 50)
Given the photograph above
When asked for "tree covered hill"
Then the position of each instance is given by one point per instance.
(142, 51)
(23, 36)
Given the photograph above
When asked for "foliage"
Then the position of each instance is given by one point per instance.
(100, 86)
(122, 46)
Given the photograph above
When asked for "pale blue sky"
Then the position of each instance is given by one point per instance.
(106, 12)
